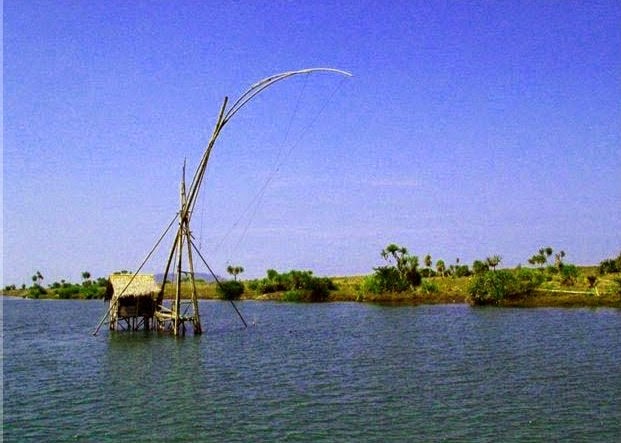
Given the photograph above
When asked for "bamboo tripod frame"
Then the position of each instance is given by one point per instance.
(173, 318)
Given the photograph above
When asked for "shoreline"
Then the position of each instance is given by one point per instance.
(541, 300)
(433, 291)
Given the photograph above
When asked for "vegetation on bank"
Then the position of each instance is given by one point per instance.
(87, 289)
(550, 281)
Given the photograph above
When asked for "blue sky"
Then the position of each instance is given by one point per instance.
(468, 129)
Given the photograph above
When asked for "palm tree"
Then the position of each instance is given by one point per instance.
(394, 251)
(493, 261)
(428, 261)
(558, 259)
(37, 278)
(440, 267)
(234, 270)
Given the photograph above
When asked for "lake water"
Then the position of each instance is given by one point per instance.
(321, 372)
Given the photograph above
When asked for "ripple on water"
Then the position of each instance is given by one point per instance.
(345, 372)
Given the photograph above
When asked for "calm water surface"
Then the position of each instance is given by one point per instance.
(327, 372)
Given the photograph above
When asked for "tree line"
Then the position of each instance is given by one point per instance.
(401, 272)
(87, 289)
(488, 285)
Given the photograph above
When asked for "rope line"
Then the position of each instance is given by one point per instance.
(257, 200)
(113, 305)
(215, 277)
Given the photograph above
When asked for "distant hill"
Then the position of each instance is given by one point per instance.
(198, 276)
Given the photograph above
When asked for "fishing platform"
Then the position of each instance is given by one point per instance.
(137, 301)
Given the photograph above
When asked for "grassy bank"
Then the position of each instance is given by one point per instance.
(434, 290)
(455, 290)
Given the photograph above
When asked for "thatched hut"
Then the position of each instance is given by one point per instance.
(132, 299)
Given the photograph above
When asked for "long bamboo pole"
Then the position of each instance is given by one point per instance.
(189, 200)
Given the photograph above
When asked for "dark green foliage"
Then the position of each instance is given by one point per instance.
(274, 282)
(461, 271)
(68, 291)
(272, 274)
(541, 258)
(230, 290)
(440, 267)
(552, 270)
(319, 289)
(479, 267)
(427, 272)
(538, 259)
(302, 285)
(429, 287)
(529, 277)
(411, 275)
(386, 279)
(569, 275)
(401, 273)
(494, 286)
(427, 261)
(491, 287)
(87, 290)
(92, 291)
(36, 291)
(234, 270)
(370, 284)
(610, 265)
(493, 261)
(294, 296)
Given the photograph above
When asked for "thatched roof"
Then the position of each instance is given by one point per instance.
(141, 285)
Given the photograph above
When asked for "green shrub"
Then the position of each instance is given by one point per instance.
(427, 272)
(68, 291)
(230, 290)
(370, 285)
(36, 290)
(569, 275)
(429, 287)
(92, 291)
(293, 296)
(494, 286)
(319, 289)
(479, 267)
(530, 277)
(610, 266)
(461, 271)
(269, 287)
(553, 270)
(253, 285)
(388, 279)
(309, 288)
(402, 272)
